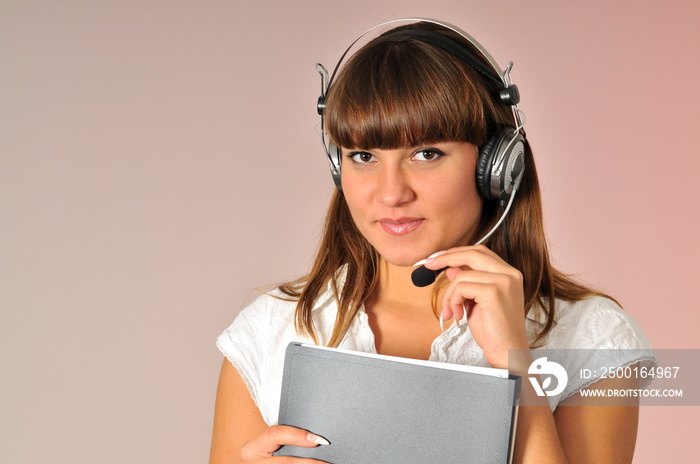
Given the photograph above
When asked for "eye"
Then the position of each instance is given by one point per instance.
(427, 154)
(361, 157)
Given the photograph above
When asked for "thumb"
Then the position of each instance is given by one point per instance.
(451, 272)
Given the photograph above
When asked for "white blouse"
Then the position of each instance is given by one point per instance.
(256, 341)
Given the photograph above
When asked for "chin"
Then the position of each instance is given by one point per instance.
(402, 263)
(402, 251)
(403, 258)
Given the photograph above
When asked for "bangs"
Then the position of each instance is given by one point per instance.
(403, 92)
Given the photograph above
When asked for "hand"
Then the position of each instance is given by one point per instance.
(491, 291)
(261, 448)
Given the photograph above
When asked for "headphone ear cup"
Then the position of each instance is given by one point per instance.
(335, 159)
(483, 166)
(507, 149)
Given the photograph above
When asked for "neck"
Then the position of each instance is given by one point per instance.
(401, 315)
(395, 287)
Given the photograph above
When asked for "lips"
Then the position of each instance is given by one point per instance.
(400, 226)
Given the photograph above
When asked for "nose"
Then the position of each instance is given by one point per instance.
(394, 187)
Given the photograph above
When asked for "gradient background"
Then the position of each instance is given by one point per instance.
(158, 163)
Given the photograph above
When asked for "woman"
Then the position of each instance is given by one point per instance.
(413, 115)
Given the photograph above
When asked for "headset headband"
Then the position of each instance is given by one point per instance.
(495, 74)
(508, 93)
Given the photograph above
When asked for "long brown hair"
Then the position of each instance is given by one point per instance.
(398, 92)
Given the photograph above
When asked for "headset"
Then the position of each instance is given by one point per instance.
(500, 163)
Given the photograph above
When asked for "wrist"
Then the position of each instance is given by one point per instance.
(519, 361)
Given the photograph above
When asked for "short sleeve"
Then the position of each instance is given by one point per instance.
(240, 343)
(255, 344)
(596, 336)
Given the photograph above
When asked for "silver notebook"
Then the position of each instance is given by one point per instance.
(376, 409)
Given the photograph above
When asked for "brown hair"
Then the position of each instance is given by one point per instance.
(398, 92)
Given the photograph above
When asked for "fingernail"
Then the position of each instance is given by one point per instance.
(442, 323)
(316, 439)
(430, 258)
(436, 254)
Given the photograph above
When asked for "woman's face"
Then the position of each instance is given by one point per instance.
(412, 202)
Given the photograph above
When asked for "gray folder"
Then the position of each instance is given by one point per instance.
(387, 410)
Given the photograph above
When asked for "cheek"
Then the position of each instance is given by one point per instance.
(459, 204)
(457, 188)
(355, 197)
(463, 203)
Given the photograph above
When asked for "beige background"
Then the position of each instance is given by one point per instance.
(158, 162)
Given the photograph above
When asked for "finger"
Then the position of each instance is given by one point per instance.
(502, 283)
(457, 275)
(454, 304)
(272, 438)
(283, 460)
(445, 314)
(463, 293)
(452, 272)
(458, 311)
(478, 257)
